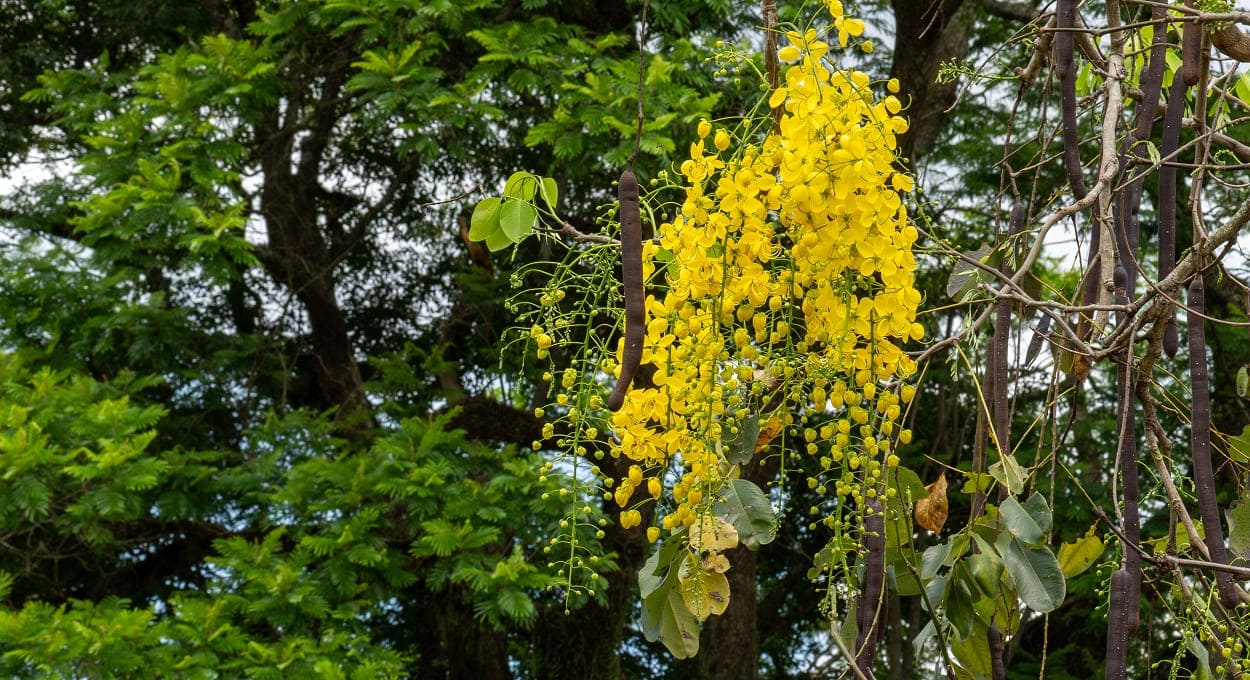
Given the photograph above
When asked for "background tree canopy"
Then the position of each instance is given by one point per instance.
(277, 401)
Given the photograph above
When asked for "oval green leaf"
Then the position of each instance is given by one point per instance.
(517, 219)
(550, 192)
(521, 185)
(1020, 523)
(1039, 580)
(485, 220)
(745, 506)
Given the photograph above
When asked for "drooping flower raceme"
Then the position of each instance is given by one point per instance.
(789, 289)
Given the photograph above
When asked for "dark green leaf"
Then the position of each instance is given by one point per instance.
(1020, 523)
(745, 506)
(965, 276)
(973, 651)
(1039, 580)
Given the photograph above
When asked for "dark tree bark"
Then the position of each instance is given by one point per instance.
(473, 650)
(928, 33)
(298, 255)
(585, 643)
(730, 644)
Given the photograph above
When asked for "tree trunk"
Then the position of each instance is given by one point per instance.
(729, 648)
(927, 33)
(585, 643)
(299, 258)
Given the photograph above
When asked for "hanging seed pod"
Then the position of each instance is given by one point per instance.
(1167, 200)
(1191, 49)
(631, 280)
(1200, 416)
(1065, 69)
(1117, 626)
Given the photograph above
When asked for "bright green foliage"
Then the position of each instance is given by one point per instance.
(297, 595)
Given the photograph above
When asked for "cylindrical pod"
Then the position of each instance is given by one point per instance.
(631, 279)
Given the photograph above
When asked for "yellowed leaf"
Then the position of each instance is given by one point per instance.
(931, 511)
(716, 562)
(703, 592)
(1080, 367)
(711, 534)
(768, 431)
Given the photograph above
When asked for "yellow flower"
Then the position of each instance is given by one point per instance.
(847, 28)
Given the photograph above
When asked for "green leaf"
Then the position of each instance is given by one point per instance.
(1030, 522)
(1020, 523)
(745, 506)
(1239, 446)
(741, 446)
(902, 579)
(965, 276)
(986, 571)
(973, 651)
(1039, 580)
(1008, 473)
(517, 219)
(1200, 653)
(653, 605)
(679, 629)
(521, 185)
(958, 600)
(485, 220)
(550, 192)
(1238, 518)
(1077, 556)
(1152, 152)
(1038, 509)
(655, 570)
(906, 484)
(1242, 88)
(977, 482)
(498, 240)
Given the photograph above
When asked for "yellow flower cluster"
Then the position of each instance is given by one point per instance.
(791, 285)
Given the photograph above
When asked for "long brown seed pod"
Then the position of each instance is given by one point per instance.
(1152, 78)
(1167, 200)
(631, 249)
(631, 278)
(1200, 438)
(1117, 626)
(1129, 200)
(1191, 49)
(1065, 69)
